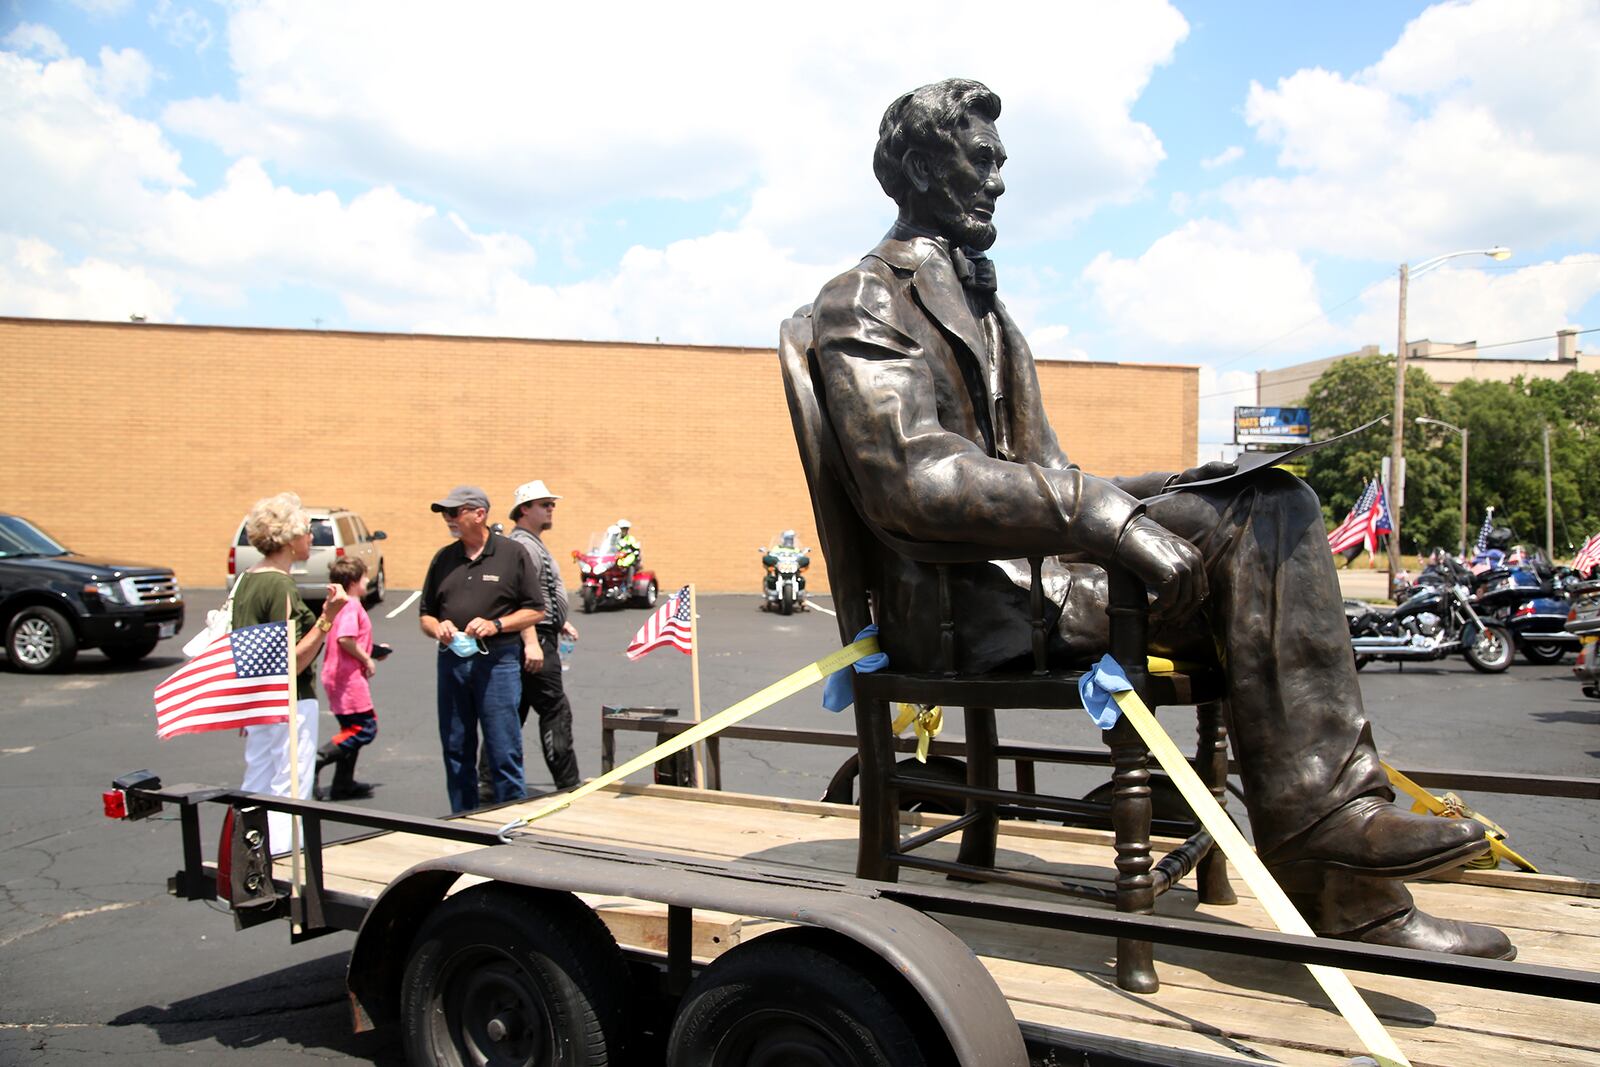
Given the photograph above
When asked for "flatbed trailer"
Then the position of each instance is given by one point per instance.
(702, 889)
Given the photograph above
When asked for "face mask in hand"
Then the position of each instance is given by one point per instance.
(464, 644)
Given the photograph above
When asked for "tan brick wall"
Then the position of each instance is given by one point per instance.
(149, 442)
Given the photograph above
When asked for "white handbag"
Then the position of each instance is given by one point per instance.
(218, 622)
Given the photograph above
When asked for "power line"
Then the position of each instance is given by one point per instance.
(1475, 349)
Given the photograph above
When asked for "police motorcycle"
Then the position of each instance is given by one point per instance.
(606, 569)
(1529, 596)
(784, 588)
(1433, 619)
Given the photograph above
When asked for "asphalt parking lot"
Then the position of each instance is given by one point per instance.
(96, 960)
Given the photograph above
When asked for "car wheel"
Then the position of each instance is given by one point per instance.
(130, 652)
(40, 639)
(1543, 654)
(376, 591)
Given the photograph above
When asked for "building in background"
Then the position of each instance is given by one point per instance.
(1445, 362)
(148, 441)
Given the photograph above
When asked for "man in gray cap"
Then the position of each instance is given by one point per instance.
(479, 595)
(533, 510)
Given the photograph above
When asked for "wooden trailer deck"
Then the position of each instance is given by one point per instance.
(1212, 1004)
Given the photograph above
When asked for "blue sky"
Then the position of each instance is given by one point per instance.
(1224, 184)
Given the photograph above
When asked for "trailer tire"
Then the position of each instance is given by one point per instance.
(803, 996)
(498, 974)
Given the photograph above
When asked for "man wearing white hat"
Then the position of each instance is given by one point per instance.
(533, 512)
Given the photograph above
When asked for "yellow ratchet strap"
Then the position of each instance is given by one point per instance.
(1333, 981)
(1451, 807)
(809, 675)
(927, 718)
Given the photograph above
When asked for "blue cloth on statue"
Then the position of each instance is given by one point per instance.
(1096, 688)
(837, 692)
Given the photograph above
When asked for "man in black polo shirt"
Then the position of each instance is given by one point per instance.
(480, 593)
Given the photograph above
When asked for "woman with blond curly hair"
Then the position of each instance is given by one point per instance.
(279, 528)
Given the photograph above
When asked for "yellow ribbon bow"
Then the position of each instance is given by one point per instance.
(928, 719)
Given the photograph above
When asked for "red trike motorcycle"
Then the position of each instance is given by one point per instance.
(606, 575)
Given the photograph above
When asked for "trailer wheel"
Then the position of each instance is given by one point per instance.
(505, 976)
(1543, 653)
(803, 997)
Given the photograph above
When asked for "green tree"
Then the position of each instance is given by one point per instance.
(1355, 391)
(1507, 420)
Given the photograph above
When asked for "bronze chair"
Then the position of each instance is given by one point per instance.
(843, 529)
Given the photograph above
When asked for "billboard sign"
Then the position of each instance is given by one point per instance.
(1290, 425)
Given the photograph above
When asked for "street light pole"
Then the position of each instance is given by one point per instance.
(1397, 461)
(1465, 433)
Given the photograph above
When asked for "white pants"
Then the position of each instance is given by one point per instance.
(266, 766)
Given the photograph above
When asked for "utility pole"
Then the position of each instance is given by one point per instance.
(1465, 433)
(1397, 463)
(1549, 506)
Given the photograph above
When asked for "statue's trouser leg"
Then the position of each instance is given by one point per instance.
(1275, 615)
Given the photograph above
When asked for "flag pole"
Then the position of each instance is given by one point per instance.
(694, 671)
(294, 748)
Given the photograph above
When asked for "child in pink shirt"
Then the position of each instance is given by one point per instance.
(346, 666)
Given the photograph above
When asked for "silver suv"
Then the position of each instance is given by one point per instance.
(335, 532)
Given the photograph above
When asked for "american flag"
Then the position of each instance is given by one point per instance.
(1517, 555)
(1483, 532)
(1588, 557)
(240, 679)
(670, 625)
(1352, 532)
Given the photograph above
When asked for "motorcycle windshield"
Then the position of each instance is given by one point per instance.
(602, 544)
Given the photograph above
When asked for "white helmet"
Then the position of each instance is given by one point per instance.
(623, 524)
(611, 531)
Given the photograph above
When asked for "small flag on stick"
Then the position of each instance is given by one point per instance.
(670, 625)
(240, 679)
(1351, 534)
(1588, 557)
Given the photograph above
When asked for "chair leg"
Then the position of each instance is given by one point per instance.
(1130, 820)
(983, 771)
(1212, 874)
(879, 839)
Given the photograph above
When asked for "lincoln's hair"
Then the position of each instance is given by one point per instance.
(926, 119)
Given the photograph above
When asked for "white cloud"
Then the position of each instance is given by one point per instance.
(102, 8)
(1490, 307)
(1462, 135)
(495, 113)
(1228, 155)
(184, 27)
(39, 40)
(124, 73)
(1054, 342)
(38, 282)
(1220, 392)
(1204, 287)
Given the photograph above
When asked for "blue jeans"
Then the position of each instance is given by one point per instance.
(481, 693)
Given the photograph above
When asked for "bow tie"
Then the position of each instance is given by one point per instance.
(975, 270)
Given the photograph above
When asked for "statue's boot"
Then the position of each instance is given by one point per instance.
(1380, 911)
(1371, 836)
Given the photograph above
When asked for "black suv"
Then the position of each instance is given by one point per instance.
(54, 602)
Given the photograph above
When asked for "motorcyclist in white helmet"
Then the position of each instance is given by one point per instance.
(629, 551)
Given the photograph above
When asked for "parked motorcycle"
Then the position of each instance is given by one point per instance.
(1434, 619)
(784, 587)
(1583, 622)
(1531, 599)
(605, 576)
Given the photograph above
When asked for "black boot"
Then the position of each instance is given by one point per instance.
(328, 753)
(345, 786)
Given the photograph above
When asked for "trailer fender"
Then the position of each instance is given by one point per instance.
(957, 989)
